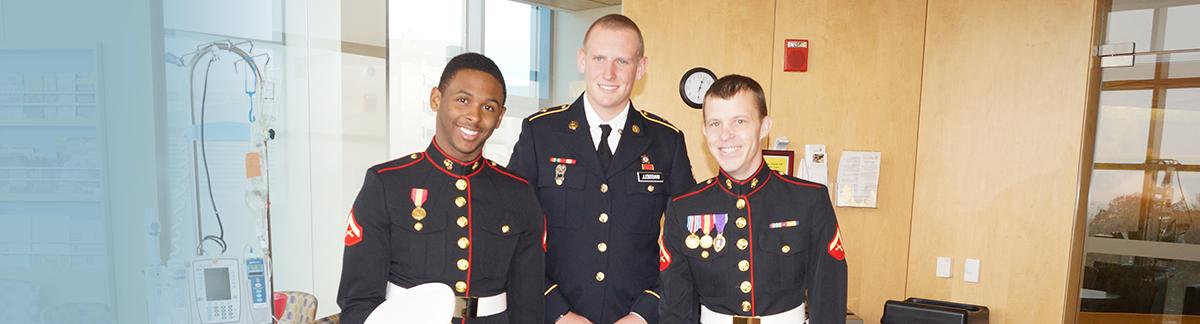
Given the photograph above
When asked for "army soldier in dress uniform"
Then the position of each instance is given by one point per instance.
(603, 172)
(449, 216)
(750, 245)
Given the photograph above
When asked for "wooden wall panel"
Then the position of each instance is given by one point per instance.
(724, 36)
(1003, 109)
(861, 92)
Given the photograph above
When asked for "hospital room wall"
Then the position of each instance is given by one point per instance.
(937, 87)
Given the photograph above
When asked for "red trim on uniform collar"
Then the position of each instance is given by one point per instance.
(761, 163)
(439, 149)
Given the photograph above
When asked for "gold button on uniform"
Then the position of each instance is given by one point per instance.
(573, 125)
(746, 286)
(636, 129)
(786, 249)
(463, 243)
(708, 181)
(603, 187)
(463, 264)
(462, 221)
(460, 286)
(704, 254)
(742, 244)
(743, 265)
(460, 201)
(504, 229)
(741, 203)
(600, 276)
(461, 184)
(418, 227)
(741, 222)
(650, 188)
(414, 156)
(602, 247)
(604, 217)
(745, 306)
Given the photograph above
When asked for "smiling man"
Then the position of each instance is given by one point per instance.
(447, 220)
(711, 273)
(603, 172)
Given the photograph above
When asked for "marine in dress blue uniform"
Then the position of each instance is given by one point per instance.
(447, 216)
(750, 245)
(781, 243)
(602, 224)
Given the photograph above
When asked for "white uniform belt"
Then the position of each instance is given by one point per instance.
(793, 316)
(464, 307)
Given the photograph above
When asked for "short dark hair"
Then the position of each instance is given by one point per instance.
(730, 85)
(617, 22)
(472, 61)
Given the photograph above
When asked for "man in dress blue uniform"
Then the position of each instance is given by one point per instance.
(750, 245)
(603, 172)
(448, 216)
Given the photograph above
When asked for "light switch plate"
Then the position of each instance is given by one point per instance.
(943, 267)
(971, 271)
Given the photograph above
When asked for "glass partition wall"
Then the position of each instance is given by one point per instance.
(1142, 250)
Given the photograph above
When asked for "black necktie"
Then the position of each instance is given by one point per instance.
(604, 151)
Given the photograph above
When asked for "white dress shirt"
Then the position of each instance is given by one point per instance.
(594, 122)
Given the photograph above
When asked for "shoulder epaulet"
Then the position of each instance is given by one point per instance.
(703, 185)
(657, 119)
(403, 162)
(550, 110)
(505, 171)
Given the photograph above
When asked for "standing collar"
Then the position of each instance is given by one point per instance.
(593, 118)
(451, 165)
(748, 186)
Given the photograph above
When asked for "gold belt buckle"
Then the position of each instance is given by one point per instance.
(467, 307)
(746, 319)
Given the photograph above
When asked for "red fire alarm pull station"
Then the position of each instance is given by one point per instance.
(795, 55)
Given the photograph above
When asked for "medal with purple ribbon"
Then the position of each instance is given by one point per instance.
(719, 242)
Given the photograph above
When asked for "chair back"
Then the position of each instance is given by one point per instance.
(301, 307)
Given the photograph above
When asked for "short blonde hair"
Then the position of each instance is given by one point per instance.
(617, 22)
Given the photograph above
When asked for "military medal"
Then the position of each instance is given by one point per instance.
(418, 197)
(706, 241)
(559, 171)
(692, 240)
(719, 242)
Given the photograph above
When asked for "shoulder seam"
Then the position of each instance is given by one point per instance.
(550, 110)
(656, 120)
(493, 166)
(694, 192)
(798, 183)
(422, 157)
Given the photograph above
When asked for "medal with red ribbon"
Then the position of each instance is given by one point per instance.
(418, 197)
(706, 241)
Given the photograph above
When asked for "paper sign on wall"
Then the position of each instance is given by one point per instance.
(858, 179)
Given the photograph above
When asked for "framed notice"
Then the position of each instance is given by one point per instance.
(780, 161)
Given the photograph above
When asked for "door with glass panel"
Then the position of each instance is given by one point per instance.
(1142, 250)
